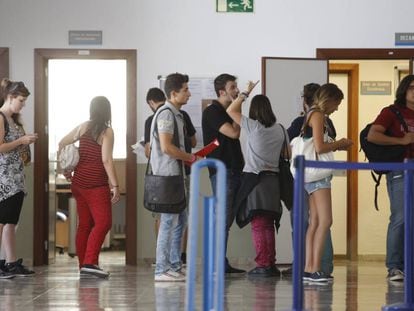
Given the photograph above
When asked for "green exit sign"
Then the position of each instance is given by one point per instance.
(240, 6)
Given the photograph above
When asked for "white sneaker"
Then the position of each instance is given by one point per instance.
(182, 272)
(395, 275)
(170, 276)
(93, 270)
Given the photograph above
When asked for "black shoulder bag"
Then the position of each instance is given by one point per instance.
(285, 176)
(164, 194)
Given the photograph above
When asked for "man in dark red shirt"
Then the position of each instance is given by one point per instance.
(388, 130)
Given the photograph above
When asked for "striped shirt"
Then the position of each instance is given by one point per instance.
(90, 172)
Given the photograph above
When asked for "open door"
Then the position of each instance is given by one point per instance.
(282, 81)
(4, 63)
(44, 168)
(412, 66)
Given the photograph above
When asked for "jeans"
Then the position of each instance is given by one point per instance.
(327, 254)
(168, 256)
(233, 185)
(395, 233)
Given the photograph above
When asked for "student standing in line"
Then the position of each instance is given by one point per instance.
(216, 123)
(387, 130)
(13, 141)
(155, 99)
(326, 101)
(294, 131)
(163, 160)
(94, 184)
(258, 199)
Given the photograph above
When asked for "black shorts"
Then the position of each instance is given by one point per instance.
(10, 209)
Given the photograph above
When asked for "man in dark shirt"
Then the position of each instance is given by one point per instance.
(216, 123)
(155, 99)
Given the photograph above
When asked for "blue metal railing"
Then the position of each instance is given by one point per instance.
(298, 234)
(214, 238)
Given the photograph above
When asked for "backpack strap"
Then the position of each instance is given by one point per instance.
(377, 183)
(399, 117)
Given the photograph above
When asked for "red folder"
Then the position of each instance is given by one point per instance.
(206, 150)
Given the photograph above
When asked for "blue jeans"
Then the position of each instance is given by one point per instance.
(327, 254)
(233, 185)
(395, 233)
(168, 256)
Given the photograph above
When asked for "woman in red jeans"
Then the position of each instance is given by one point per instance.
(94, 184)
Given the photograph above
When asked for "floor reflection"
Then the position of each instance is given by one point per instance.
(169, 296)
(357, 286)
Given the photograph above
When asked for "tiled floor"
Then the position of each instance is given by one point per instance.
(359, 286)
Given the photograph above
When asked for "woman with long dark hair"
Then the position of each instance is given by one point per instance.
(93, 181)
(258, 200)
(13, 144)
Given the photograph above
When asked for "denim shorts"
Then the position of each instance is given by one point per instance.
(325, 183)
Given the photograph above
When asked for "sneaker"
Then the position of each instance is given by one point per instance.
(6, 275)
(306, 276)
(318, 276)
(287, 272)
(230, 269)
(17, 269)
(182, 272)
(264, 272)
(395, 275)
(93, 270)
(169, 276)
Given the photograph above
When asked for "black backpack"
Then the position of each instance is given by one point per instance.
(382, 153)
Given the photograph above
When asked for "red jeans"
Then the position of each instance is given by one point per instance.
(263, 232)
(94, 221)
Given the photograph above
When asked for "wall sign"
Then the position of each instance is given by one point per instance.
(85, 37)
(375, 87)
(238, 6)
(404, 38)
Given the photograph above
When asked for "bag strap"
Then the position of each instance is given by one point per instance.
(6, 124)
(306, 120)
(377, 183)
(176, 140)
(400, 117)
(284, 150)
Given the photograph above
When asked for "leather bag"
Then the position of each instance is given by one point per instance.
(285, 176)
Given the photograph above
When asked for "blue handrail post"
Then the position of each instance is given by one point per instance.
(214, 224)
(298, 234)
(209, 252)
(408, 303)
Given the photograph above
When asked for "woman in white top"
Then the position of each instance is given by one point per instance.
(326, 101)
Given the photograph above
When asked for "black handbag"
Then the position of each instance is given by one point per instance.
(165, 194)
(285, 176)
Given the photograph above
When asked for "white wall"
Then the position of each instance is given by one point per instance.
(188, 36)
